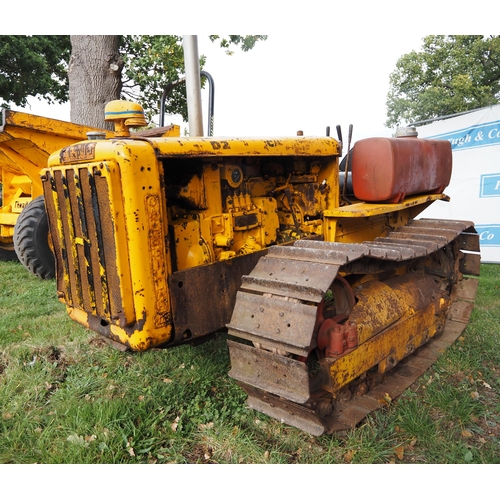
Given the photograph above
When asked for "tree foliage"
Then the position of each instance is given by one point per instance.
(450, 74)
(151, 63)
(37, 66)
(33, 66)
(246, 42)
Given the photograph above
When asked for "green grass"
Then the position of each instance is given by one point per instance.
(67, 397)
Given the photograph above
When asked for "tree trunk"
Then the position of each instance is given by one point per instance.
(94, 74)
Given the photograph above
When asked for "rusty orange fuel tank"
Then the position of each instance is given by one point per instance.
(389, 169)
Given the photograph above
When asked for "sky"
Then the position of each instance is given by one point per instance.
(290, 83)
(328, 65)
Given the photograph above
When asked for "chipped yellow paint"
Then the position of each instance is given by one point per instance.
(363, 209)
(246, 147)
(212, 230)
(396, 342)
(134, 224)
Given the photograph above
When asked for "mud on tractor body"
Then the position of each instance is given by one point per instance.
(332, 298)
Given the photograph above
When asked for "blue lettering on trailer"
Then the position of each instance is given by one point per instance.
(489, 235)
(490, 185)
(476, 136)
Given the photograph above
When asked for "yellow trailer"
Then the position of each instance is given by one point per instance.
(26, 142)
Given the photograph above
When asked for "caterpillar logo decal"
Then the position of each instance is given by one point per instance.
(78, 152)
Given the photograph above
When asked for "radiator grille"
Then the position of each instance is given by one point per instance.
(83, 233)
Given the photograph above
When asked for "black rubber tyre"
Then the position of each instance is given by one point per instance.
(7, 252)
(31, 240)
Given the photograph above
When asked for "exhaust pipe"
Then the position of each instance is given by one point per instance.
(193, 85)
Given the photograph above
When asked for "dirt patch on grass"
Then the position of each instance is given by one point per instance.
(200, 454)
(98, 342)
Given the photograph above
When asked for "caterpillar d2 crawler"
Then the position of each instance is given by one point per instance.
(336, 297)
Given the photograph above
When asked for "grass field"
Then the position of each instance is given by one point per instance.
(66, 397)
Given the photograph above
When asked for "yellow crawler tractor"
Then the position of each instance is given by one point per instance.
(335, 295)
(26, 141)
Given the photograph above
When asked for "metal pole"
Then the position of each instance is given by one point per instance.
(211, 94)
(193, 84)
(171, 85)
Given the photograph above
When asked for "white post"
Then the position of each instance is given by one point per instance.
(193, 84)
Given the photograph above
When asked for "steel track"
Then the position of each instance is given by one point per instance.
(275, 321)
